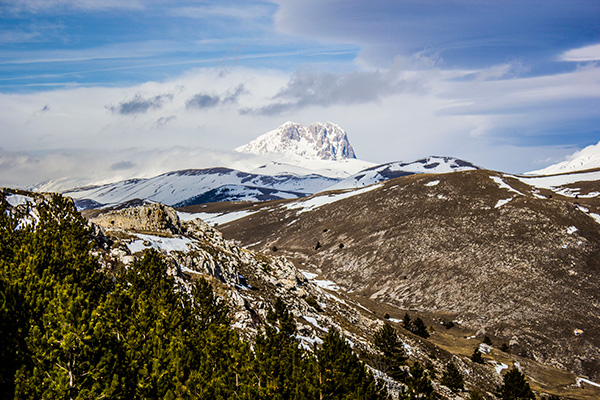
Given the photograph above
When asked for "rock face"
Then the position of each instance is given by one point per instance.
(318, 141)
(147, 218)
(248, 281)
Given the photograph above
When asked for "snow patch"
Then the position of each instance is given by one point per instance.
(325, 284)
(583, 380)
(485, 349)
(596, 217)
(159, 243)
(314, 322)
(318, 201)
(504, 185)
(18, 199)
(571, 230)
(395, 320)
(309, 275)
(552, 182)
(216, 218)
(432, 183)
(502, 202)
(409, 350)
(499, 367)
(308, 342)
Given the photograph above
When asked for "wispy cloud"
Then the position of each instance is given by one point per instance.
(139, 104)
(55, 6)
(582, 54)
(204, 100)
(18, 36)
(240, 11)
(312, 88)
(122, 165)
(201, 101)
(162, 121)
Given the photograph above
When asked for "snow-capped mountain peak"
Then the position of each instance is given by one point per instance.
(318, 141)
(587, 158)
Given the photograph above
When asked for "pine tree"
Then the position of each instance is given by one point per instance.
(341, 374)
(477, 356)
(452, 378)
(393, 355)
(419, 328)
(283, 369)
(515, 386)
(419, 384)
(406, 322)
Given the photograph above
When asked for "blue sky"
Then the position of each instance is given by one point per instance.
(103, 90)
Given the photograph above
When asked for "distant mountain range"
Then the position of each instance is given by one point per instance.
(319, 157)
(316, 158)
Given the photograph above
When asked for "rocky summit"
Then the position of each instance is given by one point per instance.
(317, 141)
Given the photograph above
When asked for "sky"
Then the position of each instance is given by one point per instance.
(96, 91)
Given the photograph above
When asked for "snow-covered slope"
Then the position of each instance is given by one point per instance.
(379, 173)
(588, 158)
(316, 142)
(270, 182)
(204, 185)
(340, 169)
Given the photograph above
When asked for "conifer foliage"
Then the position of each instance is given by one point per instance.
(452, 378)
(477, 356)
(341, 374)
(392, 361)
(515, 386)
(71, 330)
(392, 351)
(417, 326)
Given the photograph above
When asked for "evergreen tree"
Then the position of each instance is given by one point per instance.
(341, 374)
(393, 355)
(452, 378)
(406, 322)
(284, 371)
(477, 356)
(515, 386)
(419, 328)
(419, 384)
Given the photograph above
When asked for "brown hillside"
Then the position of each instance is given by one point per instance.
(524, 271)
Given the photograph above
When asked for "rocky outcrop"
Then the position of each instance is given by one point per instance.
(317, 141)
(147, 218)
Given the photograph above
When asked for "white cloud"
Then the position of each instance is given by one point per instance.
(237, 12)
(71, 133)
(88, 5)
(582, 54)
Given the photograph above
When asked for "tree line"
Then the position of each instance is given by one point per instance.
(72, 330)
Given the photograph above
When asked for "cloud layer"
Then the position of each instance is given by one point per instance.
(510, 85)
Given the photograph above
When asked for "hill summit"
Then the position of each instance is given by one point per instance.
(587, 158)
(318, 141)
